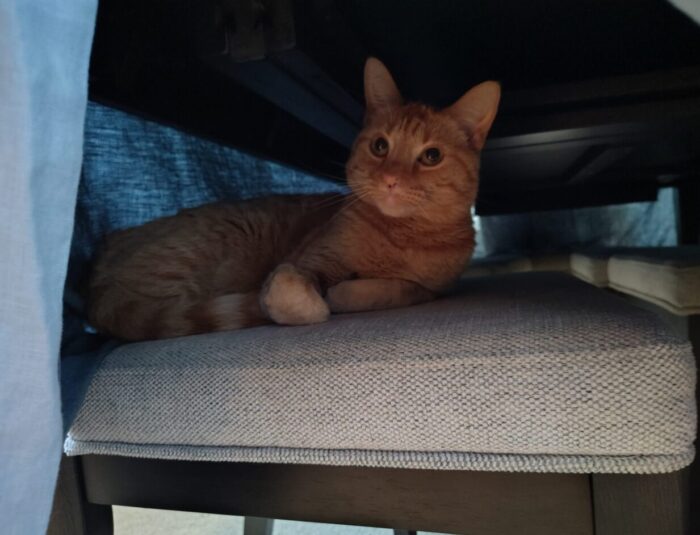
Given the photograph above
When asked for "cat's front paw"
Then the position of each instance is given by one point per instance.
(292, 299)
(342, 297)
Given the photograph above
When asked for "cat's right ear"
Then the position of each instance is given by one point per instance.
(381, 93)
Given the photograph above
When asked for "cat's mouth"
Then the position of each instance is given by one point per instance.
(394, 203)
(397, 201)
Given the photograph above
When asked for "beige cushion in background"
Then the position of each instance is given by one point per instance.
(666, 276)
(592, 268)
(502, 264)
(591, 264)
(542, 262)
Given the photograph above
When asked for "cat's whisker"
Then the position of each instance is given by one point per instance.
(337, 162)
(363, 192)
(327, 203)
(330, 202)
(357, 168)
(352, 200)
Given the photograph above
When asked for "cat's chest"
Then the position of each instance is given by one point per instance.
(429, 265)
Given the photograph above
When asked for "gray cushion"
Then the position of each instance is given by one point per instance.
(527, 372)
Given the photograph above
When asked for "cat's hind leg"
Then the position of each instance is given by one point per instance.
(360, 295)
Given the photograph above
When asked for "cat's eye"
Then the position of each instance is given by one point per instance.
(379, 146)
(431, 156)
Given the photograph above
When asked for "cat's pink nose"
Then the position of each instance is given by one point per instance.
(390, 181)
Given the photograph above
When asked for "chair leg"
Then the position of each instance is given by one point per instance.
(71, 513)
(641, 504)
(253, 525)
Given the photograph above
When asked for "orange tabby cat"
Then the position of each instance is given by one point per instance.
(403, 235)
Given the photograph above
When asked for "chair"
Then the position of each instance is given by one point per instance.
(525, 403)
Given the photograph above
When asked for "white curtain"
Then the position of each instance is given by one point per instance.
(44, 54)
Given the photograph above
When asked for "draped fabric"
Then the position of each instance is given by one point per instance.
(638, 224)
(44, 54)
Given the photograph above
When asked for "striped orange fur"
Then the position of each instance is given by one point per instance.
(401, 236)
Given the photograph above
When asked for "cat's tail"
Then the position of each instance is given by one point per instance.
(167, 319)
(224, 313)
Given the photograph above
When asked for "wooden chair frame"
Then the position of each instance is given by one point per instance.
(477, 503)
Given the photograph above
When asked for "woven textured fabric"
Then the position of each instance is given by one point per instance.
(639, 224)
(525, 372)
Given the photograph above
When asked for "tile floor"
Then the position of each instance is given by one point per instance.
(134, 521)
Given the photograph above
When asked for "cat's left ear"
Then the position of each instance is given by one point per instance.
(476, 110)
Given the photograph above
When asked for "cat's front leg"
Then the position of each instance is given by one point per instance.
(375, 294)
(292, 297)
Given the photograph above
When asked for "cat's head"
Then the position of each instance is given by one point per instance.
(411, 160)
